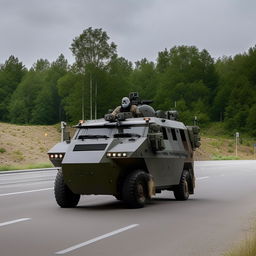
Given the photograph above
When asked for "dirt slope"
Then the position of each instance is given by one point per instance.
(223, 149)
(24, 145)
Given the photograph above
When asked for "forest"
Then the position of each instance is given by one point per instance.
(183, 78)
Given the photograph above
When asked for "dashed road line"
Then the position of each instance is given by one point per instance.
(19, 177)
(25, 192)
(75, 247)
(13, 221)
(202, 178)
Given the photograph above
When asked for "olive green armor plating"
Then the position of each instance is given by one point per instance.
(130, 158)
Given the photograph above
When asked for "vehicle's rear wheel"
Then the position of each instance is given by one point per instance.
(181, 191)
(118, 197)
(134, 192)
(63, 195)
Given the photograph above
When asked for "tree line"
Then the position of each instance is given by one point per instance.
(182, 78)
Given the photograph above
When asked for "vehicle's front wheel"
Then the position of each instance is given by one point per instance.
(181, 191)
(63, 195)
(135, 189)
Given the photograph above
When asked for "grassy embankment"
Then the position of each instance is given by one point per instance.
(25, 147)
(24, 167)
(246, 247)
(219, 144)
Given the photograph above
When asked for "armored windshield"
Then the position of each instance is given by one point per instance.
(112, 132)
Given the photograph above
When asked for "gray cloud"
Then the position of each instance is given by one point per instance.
(33, 29)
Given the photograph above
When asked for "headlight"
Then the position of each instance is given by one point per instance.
(56, 156)
(116, 154)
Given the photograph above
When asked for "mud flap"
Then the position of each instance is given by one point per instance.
(151, 187)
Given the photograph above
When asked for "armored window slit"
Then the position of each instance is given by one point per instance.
(90, 147)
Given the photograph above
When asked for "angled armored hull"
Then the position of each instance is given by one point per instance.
(103, 156)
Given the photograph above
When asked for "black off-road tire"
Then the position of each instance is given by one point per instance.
(134, 192)
(118, 197)
(63, 195)
(181, 191)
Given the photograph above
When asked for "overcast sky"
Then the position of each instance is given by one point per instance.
(34, 29)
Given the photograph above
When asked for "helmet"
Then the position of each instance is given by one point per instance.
(125, 102)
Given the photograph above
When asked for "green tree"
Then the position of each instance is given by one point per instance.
(236, 93)
(48, 109)
(11, 74)
(251, 121)
(186, 74)
(117, 83)
(70, 87)
(163, 61)
(144, 79)
(92, 53)
(41, 65)
(23, 99)
(92, 47)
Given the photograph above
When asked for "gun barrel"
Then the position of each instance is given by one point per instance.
(146, 102)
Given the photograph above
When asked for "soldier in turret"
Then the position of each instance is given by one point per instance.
(126, 106)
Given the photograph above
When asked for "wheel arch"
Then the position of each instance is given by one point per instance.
(125, 171)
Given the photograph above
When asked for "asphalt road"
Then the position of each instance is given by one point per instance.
(220, 213)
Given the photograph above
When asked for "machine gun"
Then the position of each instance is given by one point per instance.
(135, 99)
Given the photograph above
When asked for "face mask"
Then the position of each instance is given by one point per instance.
(125, 102)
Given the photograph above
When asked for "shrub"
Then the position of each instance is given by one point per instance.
(2, 150)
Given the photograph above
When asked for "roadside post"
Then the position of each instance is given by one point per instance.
(254, 151)
(237, 138)
(63, 126)
(195, 120)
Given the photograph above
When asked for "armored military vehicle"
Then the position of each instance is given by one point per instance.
(129, 158)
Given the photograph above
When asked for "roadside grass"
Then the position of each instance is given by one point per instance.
(18, 155)
(215, 130)
(218, 131)
(246, 248)
(25, 167)
(218, 143)
(221, 157)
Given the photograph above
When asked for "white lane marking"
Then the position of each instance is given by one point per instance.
(202, 178)
(26, 178)
(13, 221)
(25, 192)
(72, 248)
(30, 173)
